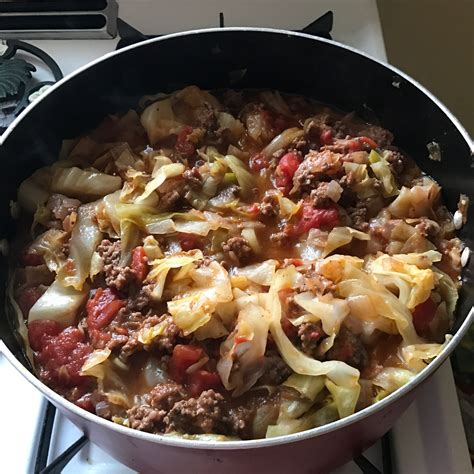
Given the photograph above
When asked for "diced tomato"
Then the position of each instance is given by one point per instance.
(423, 314)
(201, 380)
(183, 145)
(31, 259)
(258, 162)
(184, 356)
(85, 402)
(285, 171)
(139, 263)
(62, 358)
(361, 143)
(102, 308)
(326, 137)
(189, 241)
(28, 297)
(240, 339)
(41, 331)
(316, 218)
(254, 209)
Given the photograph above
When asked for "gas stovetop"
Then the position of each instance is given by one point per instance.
(428, 438)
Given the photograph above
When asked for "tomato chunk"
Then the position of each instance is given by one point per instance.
(183, 145)
(62, 358)
(285, 171)
(102, 308)
(139, 263)
(361, 143)
(326, 137)
(423, 314)
(28, 297)
(201, 380)
(184, 356)
(189, 241)
(316, 218)
(258, 162)
(40, 332)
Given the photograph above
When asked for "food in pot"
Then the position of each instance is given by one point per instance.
(235, 264)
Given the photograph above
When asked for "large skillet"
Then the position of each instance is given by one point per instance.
(241, 58)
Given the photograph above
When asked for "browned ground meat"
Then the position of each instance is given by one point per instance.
(397, 161)
(61, 206)
(150, 415)
(358, 216)
(115, 276)
(276, 371)
(141, 299)
(193, 178)
(237, 249)
(203, 414)
(269, 206)
(317, 283)
(319, 196)
(310, 335)
(163, 343)
(428, 228)
(315, 166)
(348, 348)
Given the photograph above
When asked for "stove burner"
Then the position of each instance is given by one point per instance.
(129, 35)
(18, 86)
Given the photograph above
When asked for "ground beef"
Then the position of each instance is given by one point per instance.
(115, 276)
(317, 283)
(397, 161)
(379, 135)
(205, 117)
(358, 217)
(348, 348)
(269, 206)
(319, 197)
(316, 166)
(310, 335)
(428, 228)
(150, 415)
(141, 299)
(193, 178)
(197, 415)
(146, 418)
(165, 395)
(237, 249)
(282, 238)
(276, 371)
(163, 343)
(170, 200)
(61, 206)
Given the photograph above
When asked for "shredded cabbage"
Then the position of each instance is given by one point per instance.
(50, 246)
(339, 372)
(211, 285)
(241, 361)
(327, 309)
(59, 303)
(85, 237)
(75, 182)
(245, 179)
(392, 378)
(344, 397)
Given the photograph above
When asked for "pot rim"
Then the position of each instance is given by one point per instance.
(257, 443)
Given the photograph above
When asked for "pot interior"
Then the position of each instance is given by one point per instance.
(240, 58)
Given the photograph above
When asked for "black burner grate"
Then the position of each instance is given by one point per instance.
(129, 35)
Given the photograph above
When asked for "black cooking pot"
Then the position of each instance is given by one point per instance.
(242, 58)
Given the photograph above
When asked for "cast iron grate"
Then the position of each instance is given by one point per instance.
(129, 35)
